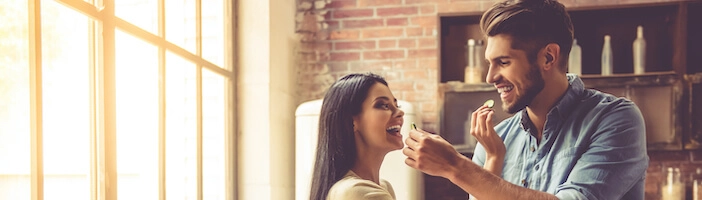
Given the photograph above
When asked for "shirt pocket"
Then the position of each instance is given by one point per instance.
(561, 166)
(565, 159)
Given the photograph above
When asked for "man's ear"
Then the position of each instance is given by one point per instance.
(552, 56)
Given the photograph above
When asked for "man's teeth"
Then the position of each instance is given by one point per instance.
(505, 89)
(393, 128)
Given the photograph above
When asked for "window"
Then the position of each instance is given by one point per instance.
(116, 99)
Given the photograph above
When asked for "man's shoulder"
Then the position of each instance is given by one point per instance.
(595, 101)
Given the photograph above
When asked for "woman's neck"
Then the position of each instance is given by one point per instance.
(368, 164)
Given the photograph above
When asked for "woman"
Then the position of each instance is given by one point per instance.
(359, 123)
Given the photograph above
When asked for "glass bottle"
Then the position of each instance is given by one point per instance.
(480, 59)
(473, 73)
(606, 57)
(639, 48)
(673, 188)
(574, 59)
(697, 185)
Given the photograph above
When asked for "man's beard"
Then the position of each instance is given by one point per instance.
(530, 91)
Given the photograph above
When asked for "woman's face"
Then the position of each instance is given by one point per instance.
(377, 127)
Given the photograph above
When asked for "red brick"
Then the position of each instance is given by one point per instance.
(430, 31)
(401, 85)
(338, 66)
(387, 54)
(428, 107)
(308, 56)
(407, 43)
(383, 12)
(396, 21)
(472, 6)
(367, 3)
(427, 85)
(384, 44)
(422, 53)
(342, 4)
(370, 66)
(427, 42)
(415, 31)
(427, 9)
(363, 23)
(315, 46)
(354, 45)
(333, 24)
(345, 56)
(424, 20)
(428, 63)
(405, 64)
(380, 33)
(425, 1)
(417, 96)
(416, 74)
(351, 13)
(344, 34)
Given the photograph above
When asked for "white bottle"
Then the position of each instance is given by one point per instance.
(575, 59)
(639, 53)
(607, 57)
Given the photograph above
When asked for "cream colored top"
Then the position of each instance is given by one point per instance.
(352, 187)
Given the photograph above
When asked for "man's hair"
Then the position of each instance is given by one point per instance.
(532, 24)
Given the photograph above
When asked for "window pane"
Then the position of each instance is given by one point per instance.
(181, 129)
(142, 13)
(213, 31)
(66, 105)
(213, 130)
(137, 117)
(14, 101)
(180, 24)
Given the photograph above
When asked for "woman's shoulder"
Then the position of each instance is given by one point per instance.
(354, 187)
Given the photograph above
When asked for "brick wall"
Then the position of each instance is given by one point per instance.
(398, 40)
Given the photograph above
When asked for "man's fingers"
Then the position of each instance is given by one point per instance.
(411, 143)
(488, 120)
(410, 162)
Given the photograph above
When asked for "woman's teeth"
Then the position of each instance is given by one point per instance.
(393, 129)
(505, 89)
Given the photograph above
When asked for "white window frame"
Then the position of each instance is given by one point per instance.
(103, 169)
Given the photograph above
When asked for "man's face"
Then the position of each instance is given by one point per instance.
(517, 80)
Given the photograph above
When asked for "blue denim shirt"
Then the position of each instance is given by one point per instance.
(593, 147)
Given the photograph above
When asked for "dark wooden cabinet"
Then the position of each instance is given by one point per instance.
(667, 94)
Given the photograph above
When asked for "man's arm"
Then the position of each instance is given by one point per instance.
(433, 155)
(616, 158)
(482, 184)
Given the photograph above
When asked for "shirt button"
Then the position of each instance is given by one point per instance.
(531, 149)
(537, 167)
(524, 182)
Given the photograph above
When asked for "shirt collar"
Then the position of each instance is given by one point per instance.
(564, 106)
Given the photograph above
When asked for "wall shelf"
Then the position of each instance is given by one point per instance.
(664, 94)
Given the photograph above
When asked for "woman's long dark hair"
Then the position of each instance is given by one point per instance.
(336, 147)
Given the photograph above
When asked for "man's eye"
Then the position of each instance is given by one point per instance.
(503, 63)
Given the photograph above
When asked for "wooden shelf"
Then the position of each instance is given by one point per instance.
(673, 80)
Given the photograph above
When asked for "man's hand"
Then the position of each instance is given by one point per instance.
(482, 128)
(430, 154)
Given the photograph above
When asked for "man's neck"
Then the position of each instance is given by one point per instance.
(543, 102)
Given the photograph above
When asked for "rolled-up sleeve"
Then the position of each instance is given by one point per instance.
(615, 160)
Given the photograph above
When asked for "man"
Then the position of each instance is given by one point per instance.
(564, 141)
